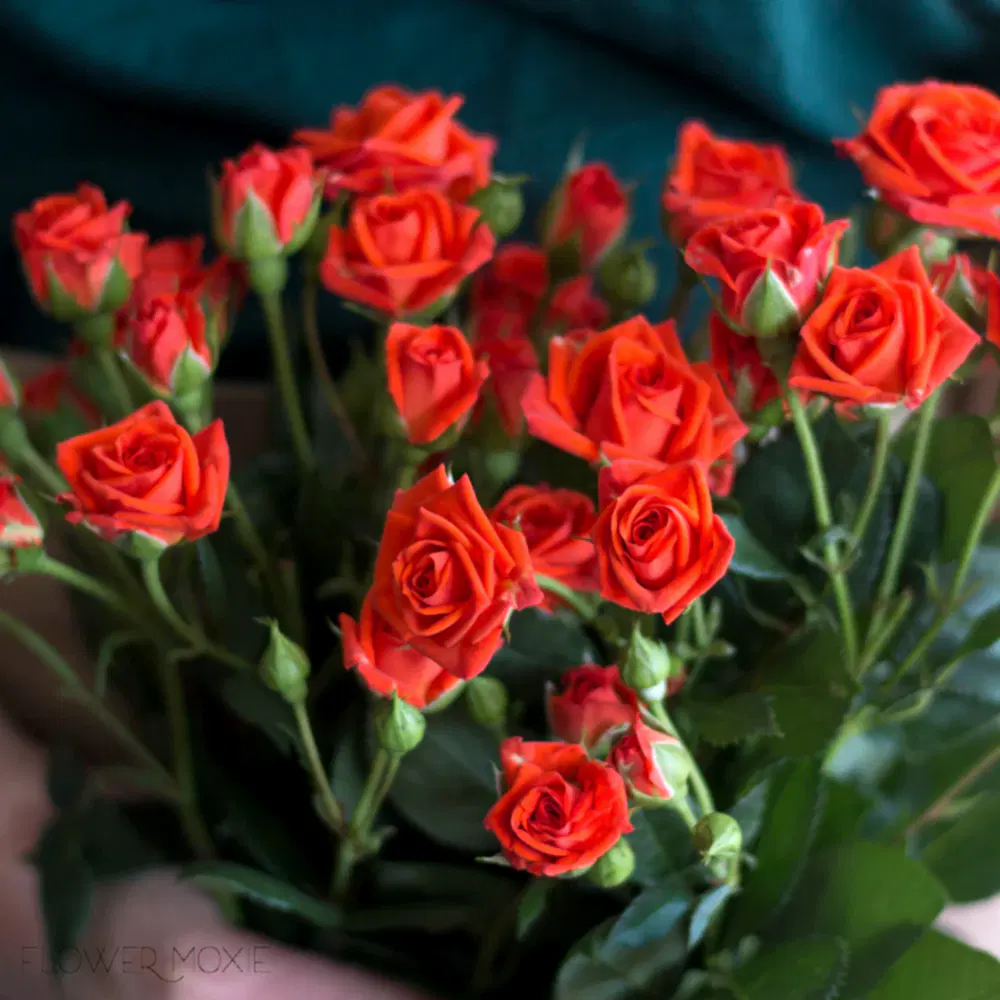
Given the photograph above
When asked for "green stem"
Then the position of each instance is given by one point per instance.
(41, 470)
(331, 807)
(699, 623)
(81, 694)
(354, 846)
(886, 633)
(250, 536)
(578, 602)
(173, 697)
(198, 640)
(680, 297)
(112, 373)
(990, 499)
(880, 455)
(824, 521)
(904, 519)
(683, 808)
(285, 376)
(327, 384)
(87, 585)
(699, 785)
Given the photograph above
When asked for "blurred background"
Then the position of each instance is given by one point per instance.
(144, 98)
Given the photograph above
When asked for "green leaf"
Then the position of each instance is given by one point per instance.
(65, 777)
(631, 954)
(751, 559)
(960, 462)
(661, 843)
(111, 844)
(531, 907)
(964, 856)
(349, 770)
(445, 787)
(262, 708)
(984, 634)
(810, 969)
(263, 889)
(66, 885)
(844, 810)
(706, 910)
(871, 895)
(938, 967)
(793, 816)
(748, 809)
(734, 719)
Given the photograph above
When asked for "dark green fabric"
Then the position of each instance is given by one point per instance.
(142, 97)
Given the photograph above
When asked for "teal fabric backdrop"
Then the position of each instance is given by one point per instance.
(142, 97)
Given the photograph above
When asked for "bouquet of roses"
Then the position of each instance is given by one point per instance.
(542, 652)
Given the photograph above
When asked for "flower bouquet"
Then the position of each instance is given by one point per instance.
(541, 652)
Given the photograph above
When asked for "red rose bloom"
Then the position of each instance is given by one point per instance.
(76, 253)
(561, 811)
(168, 336)
(507, 292)
(434, 380)
(635, 758)
(402, 254)
(631, 392)
(397, 140)
(593, 702)
(556, 525)
(19, 528)
(446, 578)
(389, 664)
(267, 202)
(713, 178)
(932, 151)
(789, 241)
(574, 306)
(590, 210)
(736, 359)
(965, 287)
(659, 543)
(880, 336)
(147, 475)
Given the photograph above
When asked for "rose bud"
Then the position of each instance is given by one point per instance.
(166, 341)
(388, 664)
(654, 765)
(77, 254)
(159, 486)
(880, 337)
(560, 811)
(574, 306)
(647, 666)
(285, 667)
(628, 277)
(615, 867)
(447, 578)
(965, 287)
(501, 204)
(507, 292)
(770, 263)
(630, 392)
(19, 527)
(593, 704)
(398, 725)
(556, 525)
(397, 140)
(586, 216)
(927, 149)
(659, 543)
(488, 700)
(266, 203)
(512, 361)
(434, 379)
(405, 255)
(718, 839)
(713, 178)
(737, 361)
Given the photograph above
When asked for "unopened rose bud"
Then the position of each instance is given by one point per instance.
(487, 700)
(718, 839)
(501, 205)
(284, 667)
(614, 867)
(647, 666)
(21, 532)
(398, 725)
(628, 277)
